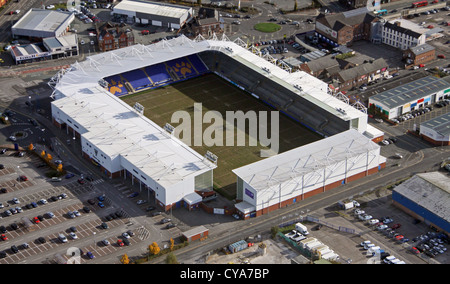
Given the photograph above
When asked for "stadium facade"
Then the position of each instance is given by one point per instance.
(126, 144)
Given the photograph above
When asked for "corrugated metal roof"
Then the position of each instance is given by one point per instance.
(430, 191)
(410, 92)
(440, 124)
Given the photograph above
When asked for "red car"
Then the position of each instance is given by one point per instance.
(81, 181)
(441, 56)
(23, 178)
(120, 243)
(396, 226)
(145, 32)
(399, 237)
(415, 250)
(36, 220)
(3, 237)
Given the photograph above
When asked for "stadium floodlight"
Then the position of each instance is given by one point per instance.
(103, 83)
(211, 157)
(139, 108)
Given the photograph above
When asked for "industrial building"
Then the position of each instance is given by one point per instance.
(41, 23)
(410, 96)
(426, 197)
(437, 130)
(153, 13)
(300, 173)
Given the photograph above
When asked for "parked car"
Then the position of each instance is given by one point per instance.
(381, 227)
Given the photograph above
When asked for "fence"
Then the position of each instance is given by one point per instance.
(296, 246)
(318, 221)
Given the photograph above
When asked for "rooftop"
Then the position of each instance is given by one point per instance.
(153, 8)
(307, 160)
(440, 124)
(410, 92)
(430, 191)
(43, 20)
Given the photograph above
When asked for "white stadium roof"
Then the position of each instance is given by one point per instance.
(291, 166)
(116, 129)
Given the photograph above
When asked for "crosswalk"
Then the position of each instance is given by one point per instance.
(98, 181)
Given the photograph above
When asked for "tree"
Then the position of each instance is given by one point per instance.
(125, 259)
(154, 248)
(49, 157)
(295, 5)
(43, 154)
(171, 258)
(59, 168)
(172, 244)
(31, 147)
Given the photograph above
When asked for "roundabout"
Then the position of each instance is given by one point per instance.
(267, 27)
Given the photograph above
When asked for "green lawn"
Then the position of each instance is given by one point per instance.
(267, 27)
(217, 94)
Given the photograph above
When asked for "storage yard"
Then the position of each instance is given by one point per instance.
(349, 247)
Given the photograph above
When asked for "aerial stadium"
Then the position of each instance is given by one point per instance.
(118, 106)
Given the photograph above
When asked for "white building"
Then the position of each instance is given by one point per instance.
(38, 23)
(126, 144)
(154, 13)
(410, 96)
(297, 174)
(402, 34)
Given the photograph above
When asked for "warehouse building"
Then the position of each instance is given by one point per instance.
(153, 13)
(426, 197)
(39, 24)
(410, 96)
(300, 173)
(437, 130)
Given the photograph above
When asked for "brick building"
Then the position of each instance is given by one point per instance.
(207, 22)
(420, 54)
(114, 36)
(345, 28)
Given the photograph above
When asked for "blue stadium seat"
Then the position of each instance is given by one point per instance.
(158, 73)
(138, 79)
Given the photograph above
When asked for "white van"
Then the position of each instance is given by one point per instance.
(301, 229)
(364, 243)
(373, 249)
(373, 221)
(389, 259)
(368, 246)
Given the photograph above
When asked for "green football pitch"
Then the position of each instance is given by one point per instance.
(216, 94)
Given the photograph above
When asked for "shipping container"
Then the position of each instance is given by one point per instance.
(238, 246)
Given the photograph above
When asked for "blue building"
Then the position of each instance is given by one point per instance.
(426, 197)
